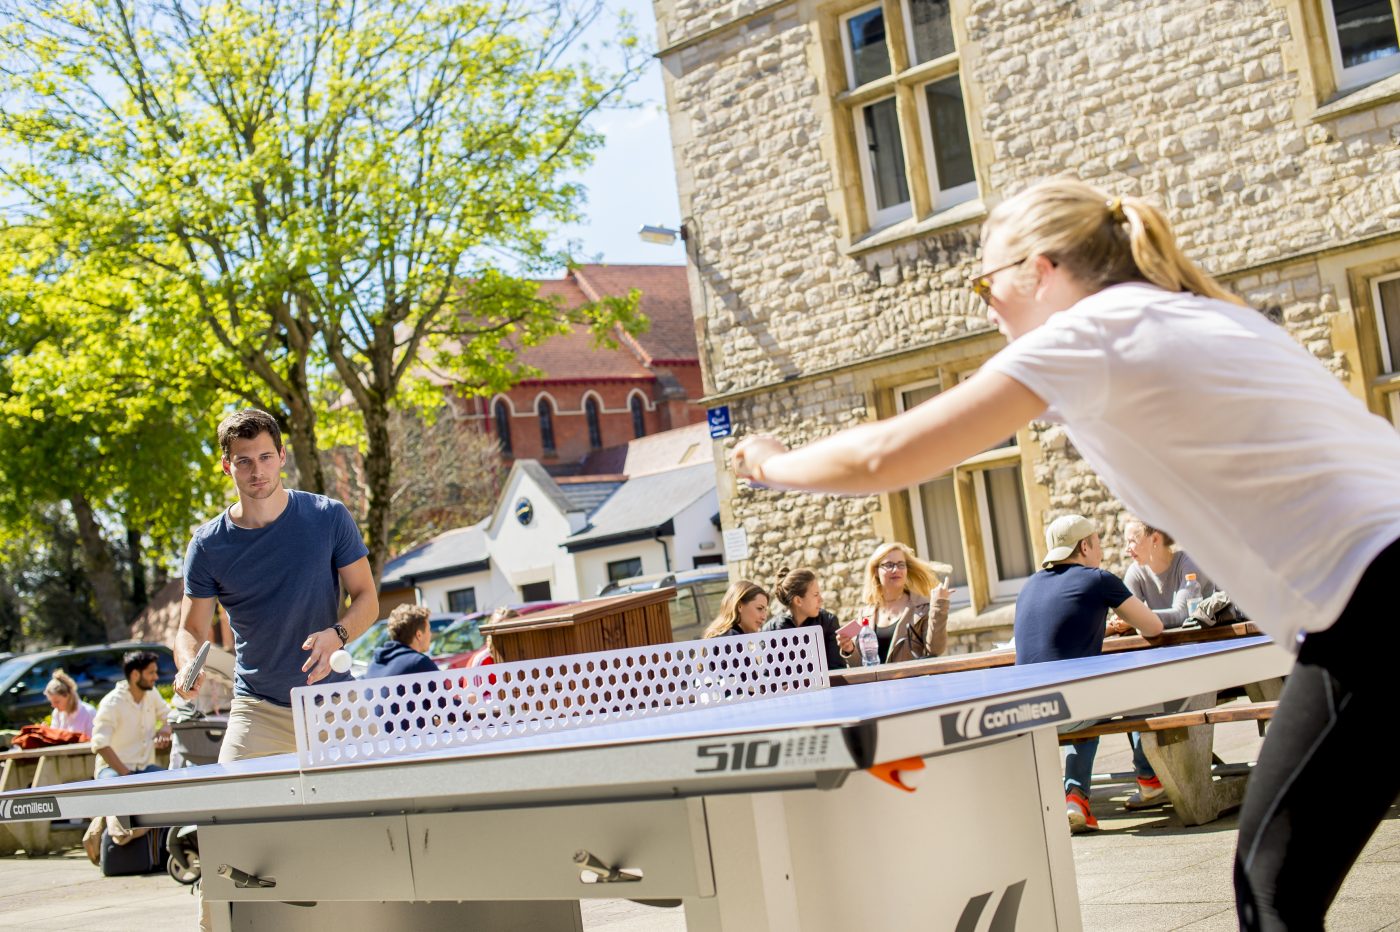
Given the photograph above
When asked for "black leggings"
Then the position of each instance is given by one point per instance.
(1297, 838)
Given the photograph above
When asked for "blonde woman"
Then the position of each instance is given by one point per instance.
(743, 611)
(70, 712)
(906, 605)
(1203, 416)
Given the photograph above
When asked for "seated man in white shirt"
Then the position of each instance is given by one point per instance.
(129, 718)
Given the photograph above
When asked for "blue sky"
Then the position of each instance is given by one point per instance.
(633, 179)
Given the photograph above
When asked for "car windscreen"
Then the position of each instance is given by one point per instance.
(11, 669)
(460, 638)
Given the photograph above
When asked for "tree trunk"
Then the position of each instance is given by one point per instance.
(101, 570)
(379, 475)
(140, 593)
(309, 476)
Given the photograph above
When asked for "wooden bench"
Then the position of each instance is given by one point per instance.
(1179, 748)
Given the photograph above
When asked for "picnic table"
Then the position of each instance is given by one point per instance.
(1179, 746)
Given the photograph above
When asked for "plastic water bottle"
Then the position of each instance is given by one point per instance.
(1193, 593)
(869, 645)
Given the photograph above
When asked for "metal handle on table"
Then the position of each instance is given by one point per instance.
(242, 879)
(601, 871)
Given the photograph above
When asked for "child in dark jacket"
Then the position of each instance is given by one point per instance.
(406, 651)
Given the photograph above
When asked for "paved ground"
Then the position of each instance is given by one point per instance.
(1142, 872)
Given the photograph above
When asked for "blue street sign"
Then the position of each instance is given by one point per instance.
(719, 422)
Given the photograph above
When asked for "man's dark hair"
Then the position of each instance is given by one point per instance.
(247, 424)
(134, 661)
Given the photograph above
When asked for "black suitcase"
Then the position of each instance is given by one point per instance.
(144, 855)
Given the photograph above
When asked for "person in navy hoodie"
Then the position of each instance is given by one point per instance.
(406, 651)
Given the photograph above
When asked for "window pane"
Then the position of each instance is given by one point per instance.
(886, 154)
(952, 150)
(1010, 544)
(546, 414)
(940, 511)
(461, 600)
(639, 420)
(595, 430)
(931, 28)
(624, 569)
(535, 592)
(503, 427)
(870, 58)
(1389, 316)
(1365, 30)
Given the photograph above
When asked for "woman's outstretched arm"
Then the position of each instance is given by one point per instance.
(898, 452)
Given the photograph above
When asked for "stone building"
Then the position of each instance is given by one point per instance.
(836, 160)
(587, 398)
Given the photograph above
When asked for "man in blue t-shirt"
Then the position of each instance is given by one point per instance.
(277, 560)
(1061, 614)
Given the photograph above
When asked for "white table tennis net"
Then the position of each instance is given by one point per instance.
(363, 720)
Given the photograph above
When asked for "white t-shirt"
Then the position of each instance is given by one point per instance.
(1209, 421)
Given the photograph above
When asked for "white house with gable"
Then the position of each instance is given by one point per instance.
(563, 538)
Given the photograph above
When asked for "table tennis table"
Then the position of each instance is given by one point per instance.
(764, 815)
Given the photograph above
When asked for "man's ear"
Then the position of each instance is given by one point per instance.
(224, 465)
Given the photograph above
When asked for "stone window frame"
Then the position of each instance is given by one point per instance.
(902, 83)
(1382, 387)
(969, 490)
(1324, 94)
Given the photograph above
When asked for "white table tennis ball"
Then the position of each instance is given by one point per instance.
(340, 661)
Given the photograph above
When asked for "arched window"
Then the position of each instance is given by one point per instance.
(546, 413)
(595, 430)
(502, 414)
(639, 419)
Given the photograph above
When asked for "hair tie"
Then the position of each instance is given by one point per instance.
(1115, 210)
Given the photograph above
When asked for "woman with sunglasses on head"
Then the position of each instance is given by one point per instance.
(1203, 416)
(905, 604)
(744, 610)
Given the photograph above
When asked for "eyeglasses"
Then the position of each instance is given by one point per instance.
(891, 567)
(982, 284)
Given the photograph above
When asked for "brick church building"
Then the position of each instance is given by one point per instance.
(590, 398)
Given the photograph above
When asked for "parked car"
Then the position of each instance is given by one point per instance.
(95, 669)
(363, 647)
(696, 603)
(463, 644)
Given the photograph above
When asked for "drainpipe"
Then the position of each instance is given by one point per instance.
(665, 551)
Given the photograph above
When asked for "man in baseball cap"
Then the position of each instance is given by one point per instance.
(1060, 615)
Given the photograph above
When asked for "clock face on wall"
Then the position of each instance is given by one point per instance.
(524, 511)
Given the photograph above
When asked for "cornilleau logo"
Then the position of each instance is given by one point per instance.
(39, 807)
(983, 721)
(1003, 920)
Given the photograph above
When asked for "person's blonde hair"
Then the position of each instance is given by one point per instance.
(61, 685)
(1098, 238)
(919, 577)
(740, 593)
(405, 621)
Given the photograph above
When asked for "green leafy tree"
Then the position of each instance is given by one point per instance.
(332, 186)
(94, 418)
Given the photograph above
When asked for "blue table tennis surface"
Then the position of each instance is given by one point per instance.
(835, 707)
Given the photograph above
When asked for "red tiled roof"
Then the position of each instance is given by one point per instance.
(665, 301)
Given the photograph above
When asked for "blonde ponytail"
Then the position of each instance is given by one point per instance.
(1099, 239)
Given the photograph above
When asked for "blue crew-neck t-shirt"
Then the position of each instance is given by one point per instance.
(279, 584)
(1061, 612)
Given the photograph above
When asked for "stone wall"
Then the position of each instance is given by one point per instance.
(1199, 106)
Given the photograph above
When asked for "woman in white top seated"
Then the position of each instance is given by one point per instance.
(1200, 414)
(1159, 571)
(70, 712)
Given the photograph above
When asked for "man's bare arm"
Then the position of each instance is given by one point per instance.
(113, 761)
(358, 582)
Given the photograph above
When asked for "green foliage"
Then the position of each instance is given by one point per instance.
(317, 194)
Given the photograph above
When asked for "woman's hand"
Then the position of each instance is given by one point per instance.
(751, 453)
(847, 645)
(1117, 626)
(944, 592)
